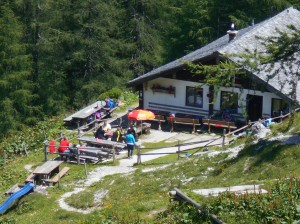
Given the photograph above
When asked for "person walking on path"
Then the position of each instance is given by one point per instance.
(130, 141)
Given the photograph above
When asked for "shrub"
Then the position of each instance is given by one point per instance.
(114, 93)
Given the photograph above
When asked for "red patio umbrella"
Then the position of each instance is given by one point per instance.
(141, 115)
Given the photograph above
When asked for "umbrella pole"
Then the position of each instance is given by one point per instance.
(141, 127)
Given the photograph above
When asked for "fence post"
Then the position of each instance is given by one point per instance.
(178, 151)
(78, 157)
(281, 115)
(223, 142)
(46, 150)
(86, 174)
(159, 124)
(139, 160)
(78, 130)
(114, 154)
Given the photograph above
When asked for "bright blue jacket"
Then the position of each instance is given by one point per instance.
(130, 140)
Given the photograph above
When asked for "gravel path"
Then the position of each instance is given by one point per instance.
(126, 165)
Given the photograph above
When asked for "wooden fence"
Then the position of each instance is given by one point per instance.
(209, 142)
(179, 151)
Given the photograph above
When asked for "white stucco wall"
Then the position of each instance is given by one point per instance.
(176, 103)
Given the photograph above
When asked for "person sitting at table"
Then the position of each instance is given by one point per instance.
(52, 146)
(64, 146)
(106, 126)
(108, 105)
(100, 133)
(117, 135)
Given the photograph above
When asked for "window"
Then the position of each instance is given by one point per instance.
(279, 105)
(229, 101)
(194, 96)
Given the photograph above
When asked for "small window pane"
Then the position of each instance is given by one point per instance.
(229, 101)
(278, 106)
(194, 96)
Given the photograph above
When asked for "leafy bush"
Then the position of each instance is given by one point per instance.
(114, 93)
(31, 138)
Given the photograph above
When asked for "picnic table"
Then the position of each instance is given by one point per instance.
(47, 169)
(104, 143)
(85, 112)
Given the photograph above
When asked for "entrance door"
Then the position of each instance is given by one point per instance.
(254, 107)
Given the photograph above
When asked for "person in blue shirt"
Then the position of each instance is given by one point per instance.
(109, 104)
(130, 141)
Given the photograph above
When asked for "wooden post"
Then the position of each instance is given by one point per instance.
(182, 196)
(159, 123)
(224, 133)
(58, 181)
(26, 152)
(172, 124)
(114, 154)
(46, 150)
(281, 115)
(178, 151)
(86, 175)
(194, 126)
(78, 156)
(139, 159)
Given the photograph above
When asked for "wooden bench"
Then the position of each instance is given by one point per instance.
(57, 177)
(95, 155)
(159, 119)
(31, 177)
(185, 121)
(62, 155)
(219, 124)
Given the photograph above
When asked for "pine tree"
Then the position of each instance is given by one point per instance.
(16, 86)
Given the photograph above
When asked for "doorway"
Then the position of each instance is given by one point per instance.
(254, 107)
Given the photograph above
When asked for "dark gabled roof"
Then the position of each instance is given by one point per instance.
(194, 56)
(245, 39)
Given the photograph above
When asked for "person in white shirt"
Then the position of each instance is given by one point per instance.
(106, 126)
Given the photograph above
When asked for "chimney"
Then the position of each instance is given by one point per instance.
(232, 32)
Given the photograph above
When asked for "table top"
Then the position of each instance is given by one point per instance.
(87, 111)
(102, 142)
(47, 167)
